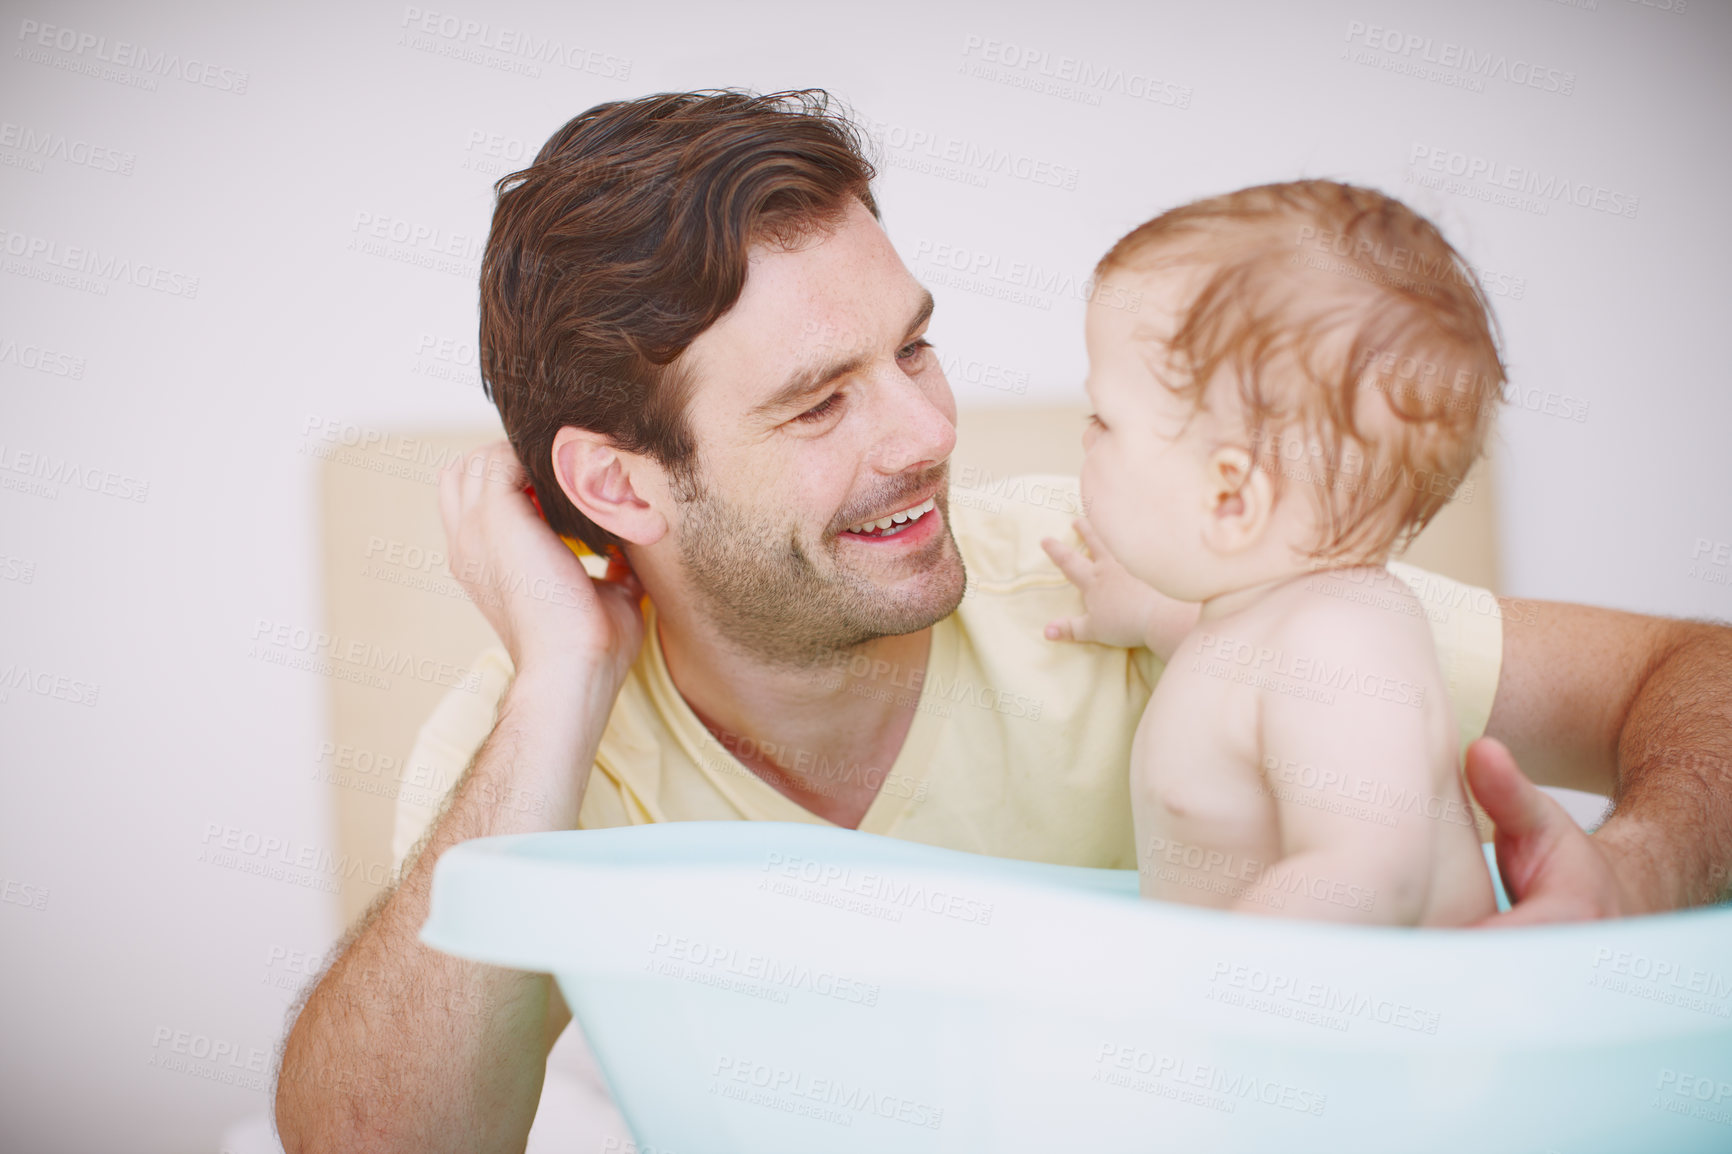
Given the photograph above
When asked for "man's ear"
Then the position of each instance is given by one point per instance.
(621, 492)
(1241, 498)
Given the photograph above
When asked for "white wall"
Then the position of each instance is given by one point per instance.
(107, 806)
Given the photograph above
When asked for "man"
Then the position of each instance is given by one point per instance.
(712, 362)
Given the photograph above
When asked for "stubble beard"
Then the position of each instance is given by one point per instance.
(772, 598)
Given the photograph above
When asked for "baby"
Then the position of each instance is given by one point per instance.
(1308, 373)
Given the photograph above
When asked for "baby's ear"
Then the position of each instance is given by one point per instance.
(1241, 499)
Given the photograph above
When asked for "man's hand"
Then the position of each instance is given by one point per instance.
(1552, 869)
(1118, 609)
(1635, 708)
(532, 589)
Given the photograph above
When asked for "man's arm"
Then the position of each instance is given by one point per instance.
(399, 1047)
(1638, 708)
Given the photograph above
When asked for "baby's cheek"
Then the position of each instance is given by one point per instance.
(1102, 460)
(1116, 524)
(1112, 484)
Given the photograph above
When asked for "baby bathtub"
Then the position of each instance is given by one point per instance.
(770, 988)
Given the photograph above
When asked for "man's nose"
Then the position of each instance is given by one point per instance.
(918, 431)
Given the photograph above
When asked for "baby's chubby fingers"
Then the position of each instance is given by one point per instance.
(1067, 629)
(1072, 564)
(1079, 571)
(1096, 547)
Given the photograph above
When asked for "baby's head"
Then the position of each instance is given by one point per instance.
(1308, 372)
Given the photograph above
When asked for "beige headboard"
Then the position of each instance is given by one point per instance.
(386, 587)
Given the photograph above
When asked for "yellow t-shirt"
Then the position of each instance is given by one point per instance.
(1019, 745)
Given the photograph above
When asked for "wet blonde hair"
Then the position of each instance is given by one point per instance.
(1316, 298)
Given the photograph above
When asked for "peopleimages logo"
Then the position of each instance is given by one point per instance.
(1026, 281)
(1399, 264)
(124, 54)
(41, 359)
(51, 472)
(1529, 189)
(889, 895)
(799, 1092)
(22, 678)
(45, 144)
(1418, 51)
(1301, 669)
(1119, 1063)
(17, 893)
(284, 859)
(516, 44)
(1711, 561)
(92, 267)
(277, 641)
(1066, 77)
(213, 1059)
(968, 157)
(1341, 1004)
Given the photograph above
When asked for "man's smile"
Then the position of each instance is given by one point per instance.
(895, 523)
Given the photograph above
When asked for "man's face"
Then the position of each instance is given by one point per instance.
(819, 410)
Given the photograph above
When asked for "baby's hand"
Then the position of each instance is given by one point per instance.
(1118, 609)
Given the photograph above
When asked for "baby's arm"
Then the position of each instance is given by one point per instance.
(1337, 758)
(1118, 609)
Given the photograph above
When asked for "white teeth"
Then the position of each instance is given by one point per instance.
(904, 517)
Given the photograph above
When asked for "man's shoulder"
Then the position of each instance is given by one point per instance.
(999, 521)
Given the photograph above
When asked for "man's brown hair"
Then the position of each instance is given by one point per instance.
(627, 238)
(1313, 295)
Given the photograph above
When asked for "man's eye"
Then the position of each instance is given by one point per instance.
(913, 348)
(822, 409)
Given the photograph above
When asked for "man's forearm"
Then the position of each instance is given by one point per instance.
(1638, 708)
(400, 1047)
(1672, 818)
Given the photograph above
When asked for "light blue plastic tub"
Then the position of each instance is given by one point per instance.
(769, 988)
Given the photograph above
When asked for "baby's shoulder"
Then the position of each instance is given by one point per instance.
(1362, 609)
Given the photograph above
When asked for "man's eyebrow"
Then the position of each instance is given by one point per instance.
(921, 314)
(805, 382)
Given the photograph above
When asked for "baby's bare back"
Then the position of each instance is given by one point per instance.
(1299, 757)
